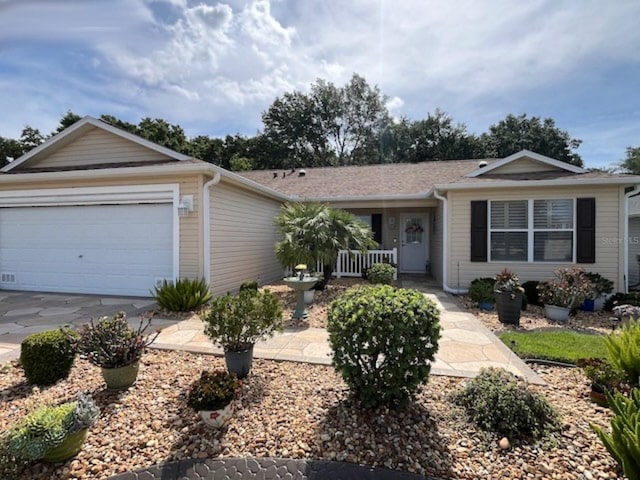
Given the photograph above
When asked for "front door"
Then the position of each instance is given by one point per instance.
(414, 245)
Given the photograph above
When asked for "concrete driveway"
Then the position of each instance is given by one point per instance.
(24, 313)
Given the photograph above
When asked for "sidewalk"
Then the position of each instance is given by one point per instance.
(466, 345)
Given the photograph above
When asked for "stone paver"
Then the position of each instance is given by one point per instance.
(465, 347)
(265, 469)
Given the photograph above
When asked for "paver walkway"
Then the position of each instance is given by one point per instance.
(466, 344)
(24, 313)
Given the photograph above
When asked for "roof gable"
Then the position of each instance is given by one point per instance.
(92, 142)
(525, 161)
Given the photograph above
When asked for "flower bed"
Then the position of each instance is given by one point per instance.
(302, 411)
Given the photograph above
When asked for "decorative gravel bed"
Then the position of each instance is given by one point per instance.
(303, 411)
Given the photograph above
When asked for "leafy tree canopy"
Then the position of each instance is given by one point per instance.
(341, 125)
(522, 133)
(631, 163)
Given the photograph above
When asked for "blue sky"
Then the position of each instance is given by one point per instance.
(214, 67)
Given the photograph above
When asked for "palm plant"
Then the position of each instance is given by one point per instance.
(315, 233)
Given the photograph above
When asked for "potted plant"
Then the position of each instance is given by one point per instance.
(604, 378)
(566, 291)
(212, 397)
(481, 292)
(508, 295)
(626, 313)
(602, 287)
(115, 347)
(51, 433)
(237, 322)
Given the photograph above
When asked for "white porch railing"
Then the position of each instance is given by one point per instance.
(351, 265)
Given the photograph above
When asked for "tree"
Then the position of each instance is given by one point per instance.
(541, 136)
(30, 138)
(330, 126)
(315, 233)
(163, 133)
(631, 163)
(10, 149)
(66, 121)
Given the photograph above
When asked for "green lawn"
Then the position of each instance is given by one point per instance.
(561, 345)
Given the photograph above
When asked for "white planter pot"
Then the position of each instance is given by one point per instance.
(598, 303)
(308, 296)
(217, 418)
(556, 313)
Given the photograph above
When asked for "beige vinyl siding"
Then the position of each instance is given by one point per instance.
(609, 230)
(435, 245)
(524, 165)
(634, 250)
(190, 226)
(98, 147)
(243, 239)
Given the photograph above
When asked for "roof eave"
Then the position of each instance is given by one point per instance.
(94, 122)
(538, 183)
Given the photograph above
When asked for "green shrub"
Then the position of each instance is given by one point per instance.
(236, 322)
(481, 291)
(249, 285)
(624, 349)
(381, 273)
(620, 298)
(47, 357)
(490, 280)
(601, 285)
(498, 402)
(184, 295)
(531, 292)
(212, 391)
(623, 443)
(383, 341)
(112, 342)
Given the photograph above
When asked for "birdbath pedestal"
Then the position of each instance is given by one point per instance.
(299, 286)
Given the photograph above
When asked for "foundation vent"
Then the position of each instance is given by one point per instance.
(7, 277)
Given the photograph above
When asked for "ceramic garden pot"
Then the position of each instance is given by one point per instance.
(239, 362)
(70, 447)
(556, 313)
(486, 305)
(217, 418)
(509, 305)
(121, 377)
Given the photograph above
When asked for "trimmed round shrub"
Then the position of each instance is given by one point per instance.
(497, 401)
(481, 291)
(383, 340)
(381, 273)
(47, 357)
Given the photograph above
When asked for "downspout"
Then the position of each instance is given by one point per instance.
(445, 246)
(206, 240)
(625, 239)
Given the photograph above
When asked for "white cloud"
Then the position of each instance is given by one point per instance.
(220, 63)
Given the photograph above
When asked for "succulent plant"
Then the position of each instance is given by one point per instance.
(43, 429)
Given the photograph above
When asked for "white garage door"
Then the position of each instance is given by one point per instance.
(106, 249)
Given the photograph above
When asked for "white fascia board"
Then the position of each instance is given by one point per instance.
(527, 154)
(630, 181)
(164, 169)
(365, 198)
(98, 124)
(234, 178)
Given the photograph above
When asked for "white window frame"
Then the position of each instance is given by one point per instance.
(531, 231)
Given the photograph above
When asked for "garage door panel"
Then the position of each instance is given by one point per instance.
(109, 249)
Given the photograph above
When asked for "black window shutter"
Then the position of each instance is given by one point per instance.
(479, 231)
(376, 227)
(586, 230)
